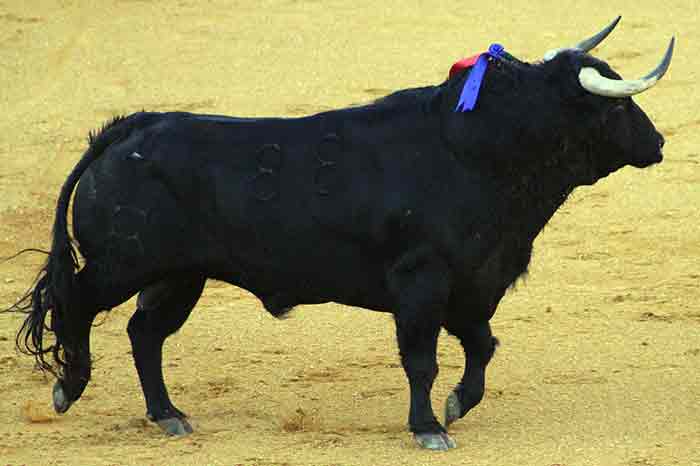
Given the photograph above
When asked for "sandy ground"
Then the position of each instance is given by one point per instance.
(600, 347)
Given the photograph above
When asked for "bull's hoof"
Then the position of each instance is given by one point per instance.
(172, 410)
(435, 441)
(453, 409)
(61, 403)
(175, 426)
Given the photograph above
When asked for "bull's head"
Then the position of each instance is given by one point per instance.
(570, 100)
(626, 126)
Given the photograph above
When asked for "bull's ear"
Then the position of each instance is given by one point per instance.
(561, 76)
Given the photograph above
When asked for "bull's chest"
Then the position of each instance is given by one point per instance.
(483, 286)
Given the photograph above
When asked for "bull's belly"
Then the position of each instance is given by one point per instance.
(299, 278)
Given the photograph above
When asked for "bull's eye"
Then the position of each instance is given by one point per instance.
(619, 108)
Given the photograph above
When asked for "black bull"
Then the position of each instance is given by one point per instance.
(402, 206)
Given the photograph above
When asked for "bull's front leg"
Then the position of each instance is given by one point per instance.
(420, 285)
(479, 346)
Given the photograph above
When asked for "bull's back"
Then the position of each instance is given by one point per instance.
(297, 208)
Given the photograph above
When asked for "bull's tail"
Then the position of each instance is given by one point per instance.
(54, 290)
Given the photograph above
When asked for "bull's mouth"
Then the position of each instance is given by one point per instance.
(655, 157)
(644, 162)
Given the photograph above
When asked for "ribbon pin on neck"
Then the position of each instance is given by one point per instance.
(470, 91)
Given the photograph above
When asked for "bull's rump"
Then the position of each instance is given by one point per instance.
(279, 207)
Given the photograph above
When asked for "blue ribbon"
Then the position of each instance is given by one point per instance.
(470, 91)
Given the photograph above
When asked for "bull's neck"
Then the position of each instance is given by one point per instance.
(529, 188)
(533, 196)
(534, 191)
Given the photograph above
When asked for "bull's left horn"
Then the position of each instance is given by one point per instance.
(588, 44)
(595, 83)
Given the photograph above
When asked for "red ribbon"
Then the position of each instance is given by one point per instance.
(463, 64)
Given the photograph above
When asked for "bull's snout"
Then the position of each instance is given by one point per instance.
(656, 155)
(652, 152)
(660, 151)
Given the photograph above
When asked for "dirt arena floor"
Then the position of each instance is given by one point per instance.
(600, 356)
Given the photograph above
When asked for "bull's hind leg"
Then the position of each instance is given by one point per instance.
(74, 328)
(479, 346)
(420, 284)
(162, 309)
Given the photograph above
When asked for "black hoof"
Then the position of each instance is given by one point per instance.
(175, 426)
(453, 409)
(437, 441)
(61, 403)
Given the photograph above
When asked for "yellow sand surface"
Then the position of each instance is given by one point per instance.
(600, 356)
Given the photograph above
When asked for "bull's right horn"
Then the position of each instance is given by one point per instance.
(588, 44)
(593, 82)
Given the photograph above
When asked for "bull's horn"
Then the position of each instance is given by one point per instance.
(588, 44)
(593, 82)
